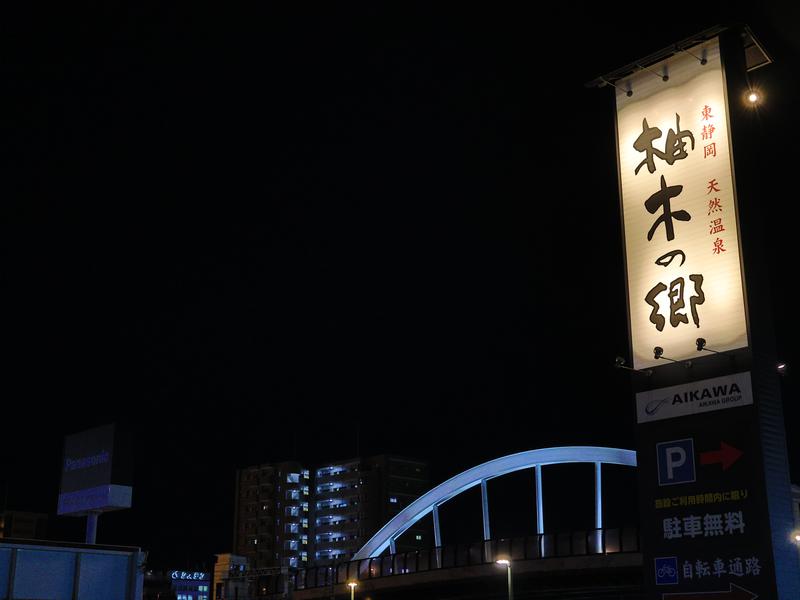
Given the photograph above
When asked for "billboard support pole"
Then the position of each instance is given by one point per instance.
(91, 527)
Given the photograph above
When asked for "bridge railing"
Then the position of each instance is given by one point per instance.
(546, 545)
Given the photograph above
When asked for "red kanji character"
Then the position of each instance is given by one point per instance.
(718, 246)
(712, 186)
(714, 206)
(706, 113)
(716, 226)
(710, 150)
(708, 131)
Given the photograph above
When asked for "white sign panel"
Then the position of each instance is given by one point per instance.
(679, 211)
(708, 395)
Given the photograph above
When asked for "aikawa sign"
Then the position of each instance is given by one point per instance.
(680, 222)
(694, 398)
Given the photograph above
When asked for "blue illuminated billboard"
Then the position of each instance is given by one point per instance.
(87, 475)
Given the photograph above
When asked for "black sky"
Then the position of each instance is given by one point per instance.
(242, 234)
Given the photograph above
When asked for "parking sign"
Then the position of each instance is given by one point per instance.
(675, 462)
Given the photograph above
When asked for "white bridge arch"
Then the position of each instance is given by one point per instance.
(479, 475)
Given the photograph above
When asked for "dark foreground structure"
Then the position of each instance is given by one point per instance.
(34, 570)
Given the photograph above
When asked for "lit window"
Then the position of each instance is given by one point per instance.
(393, 500)
(419, 537)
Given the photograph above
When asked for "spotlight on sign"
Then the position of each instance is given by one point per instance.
(619, 363)
(701, 345)
(658, 353)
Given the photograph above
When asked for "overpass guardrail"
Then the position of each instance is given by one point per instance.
(541, 546)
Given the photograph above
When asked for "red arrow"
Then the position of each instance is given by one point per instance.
(734, 593)
(727, 455)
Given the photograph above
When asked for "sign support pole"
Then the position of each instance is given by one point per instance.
(91, 527)
(772, 429)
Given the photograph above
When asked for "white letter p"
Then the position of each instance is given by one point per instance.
(676, 457)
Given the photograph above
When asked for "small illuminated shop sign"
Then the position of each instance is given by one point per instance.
(188, 576)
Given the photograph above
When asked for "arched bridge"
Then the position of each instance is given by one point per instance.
(430, 502)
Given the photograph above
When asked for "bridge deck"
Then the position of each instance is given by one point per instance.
(595, 576)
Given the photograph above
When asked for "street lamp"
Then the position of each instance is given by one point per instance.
(753, 97)
(352, 585)
(507, 564)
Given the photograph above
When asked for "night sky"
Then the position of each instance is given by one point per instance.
(244, 235)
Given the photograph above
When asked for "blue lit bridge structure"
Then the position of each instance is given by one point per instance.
(385, 574)
(430, 502)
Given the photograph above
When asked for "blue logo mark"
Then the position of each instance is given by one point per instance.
(653, 406)
(675, 462)
(667, 570)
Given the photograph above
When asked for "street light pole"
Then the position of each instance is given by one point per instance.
(507, 564)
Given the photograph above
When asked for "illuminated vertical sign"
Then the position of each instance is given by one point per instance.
(682, 250)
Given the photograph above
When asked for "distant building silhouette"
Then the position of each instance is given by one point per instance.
(287, 515)
(23, 525)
